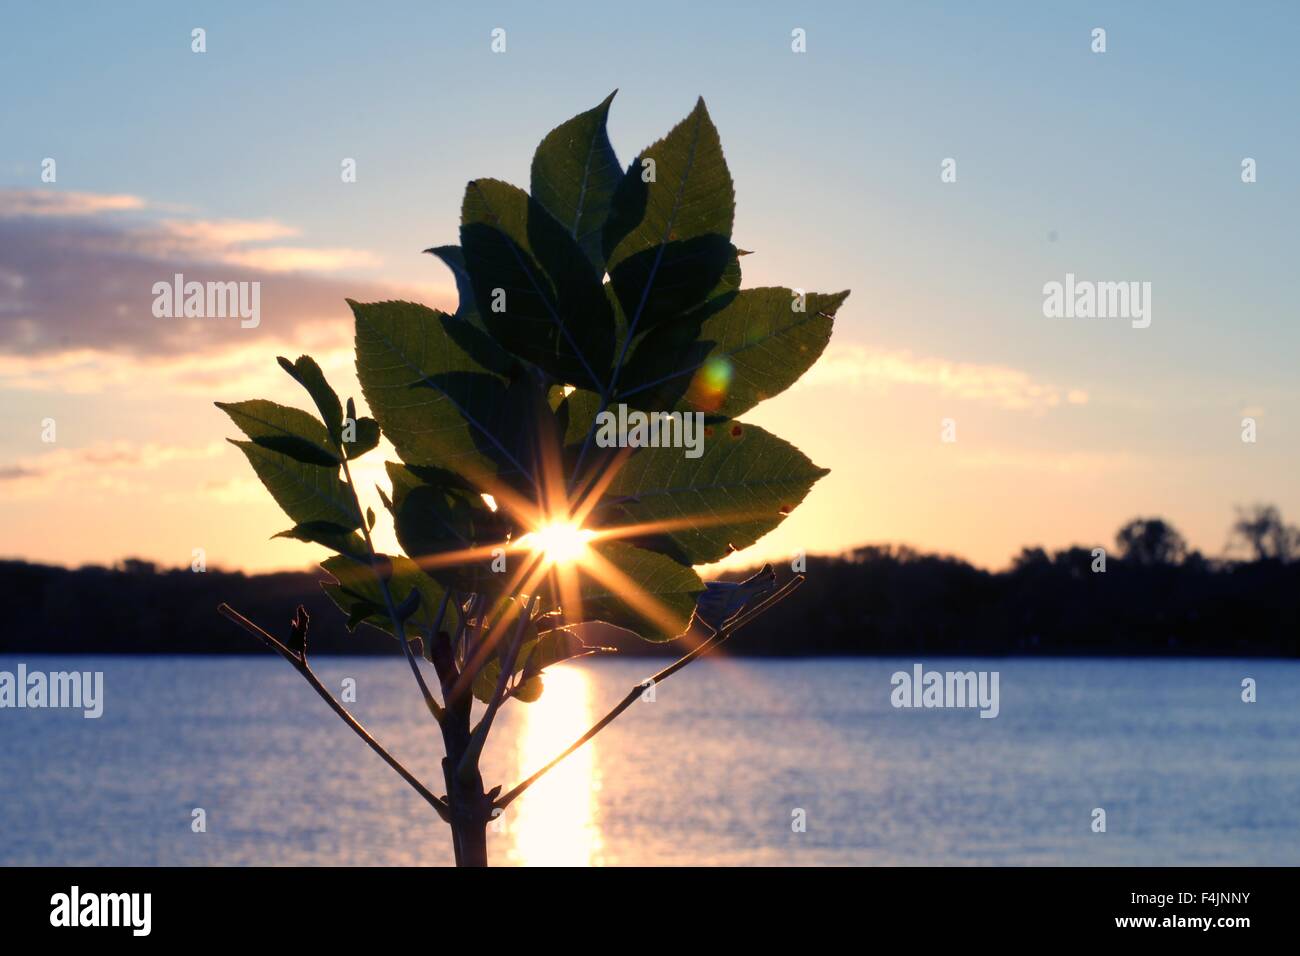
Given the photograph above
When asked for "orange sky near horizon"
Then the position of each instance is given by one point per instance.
(1065, 428)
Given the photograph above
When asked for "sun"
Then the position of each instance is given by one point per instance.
(561, 542)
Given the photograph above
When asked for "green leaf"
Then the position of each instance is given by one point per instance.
(333, 536)
(453, 257)
(498, 632)
(529, 691)
(728, 283)
(574, 174)
(438, 406)
(536, 654)
(280, 428)
(365, 438)
(664, 598)
(298, 449)
(576, 417)
(537, 292)
(741, 487)
(356, 591)
(575, 414)
(724, 600)
(308, 374)
(307, 493)
(725, 359)
(359, 611)
(668, 242)
(553, 647)
(444, 528)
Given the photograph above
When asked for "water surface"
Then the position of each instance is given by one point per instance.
(714, 771)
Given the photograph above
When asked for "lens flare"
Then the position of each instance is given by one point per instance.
(710, 385)
(560, 543)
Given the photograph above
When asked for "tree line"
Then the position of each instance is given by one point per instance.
(1148, 594)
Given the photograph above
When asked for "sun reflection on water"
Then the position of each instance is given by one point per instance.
(554, 823)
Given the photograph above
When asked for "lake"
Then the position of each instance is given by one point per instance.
(720, 768)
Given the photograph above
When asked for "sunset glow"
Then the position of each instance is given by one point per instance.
(140, 468)
(560, 542)
(555, 824)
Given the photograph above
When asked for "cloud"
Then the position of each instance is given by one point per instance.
(299, 259)
(16, 472)
(249, 368)
(1005, 461)
(49, 202)
(234, 491)
(227, 232)
(113, 466)
(74, 277)
(999, 385)
(228, 241)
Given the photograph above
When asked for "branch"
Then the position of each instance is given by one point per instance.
(473, 659)
(399, 623)
(299, 661)
(467, 611)
(470, 758)
(716, 641)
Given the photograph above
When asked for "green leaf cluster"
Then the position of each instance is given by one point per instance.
(600, 285)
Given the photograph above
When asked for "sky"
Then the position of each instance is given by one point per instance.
(1117, 166)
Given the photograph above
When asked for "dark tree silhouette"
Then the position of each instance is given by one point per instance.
(873, 600)
(1150, 542)
(1261, 530)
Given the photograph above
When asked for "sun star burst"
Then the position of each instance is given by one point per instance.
(560, 542)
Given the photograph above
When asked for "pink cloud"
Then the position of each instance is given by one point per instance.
(999, 385)
(75, 279)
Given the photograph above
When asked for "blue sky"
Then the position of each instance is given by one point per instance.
(1116, 166)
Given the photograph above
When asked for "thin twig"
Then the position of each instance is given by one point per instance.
(479, 737)
(465, 607)
(717, 640)
(399, 624)
(474, 659)
(299, 661)
(442, 612)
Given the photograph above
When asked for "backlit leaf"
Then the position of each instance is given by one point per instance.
(646, 592)
(668, 242)
(725, 360)
(308, 374)
(355, 590)
(436, 404)
(307, 493)
(742, 486)
(538, 293)
(574, 173)
(290, 431)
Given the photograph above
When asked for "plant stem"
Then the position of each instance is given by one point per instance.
(479, 737)
(399, 624)
(470, 808)
(470, 812)
(474, 658)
